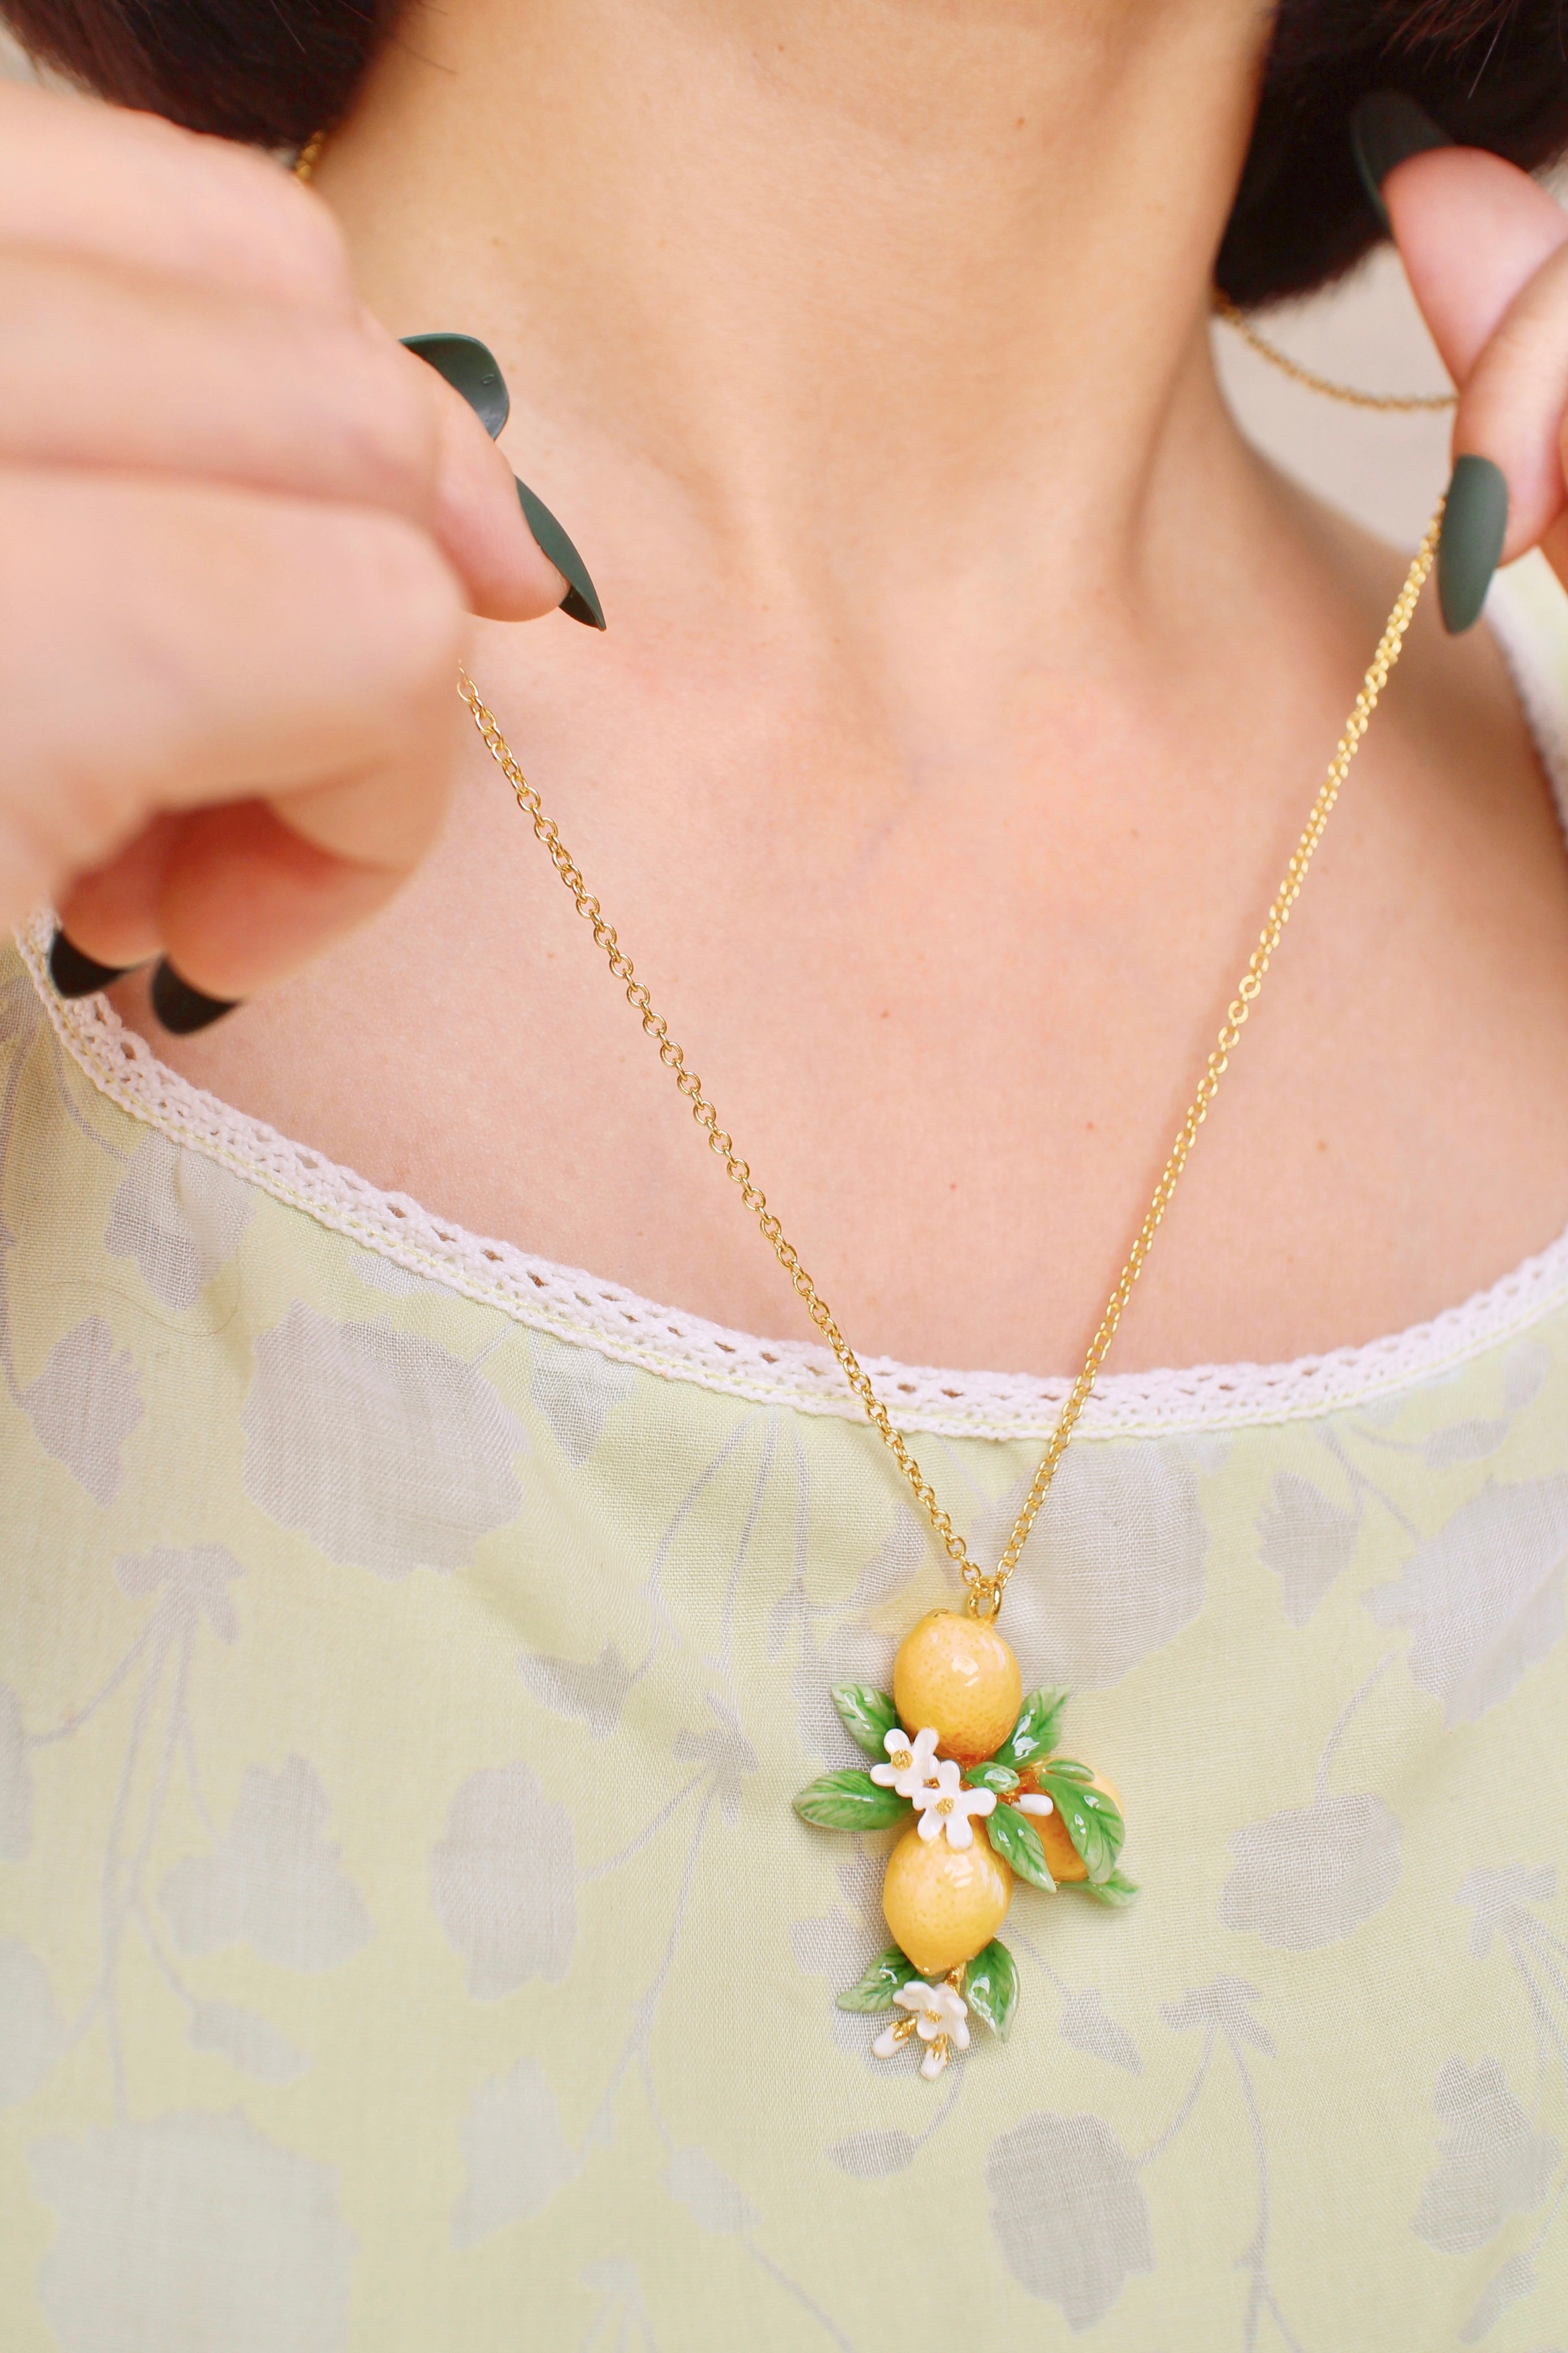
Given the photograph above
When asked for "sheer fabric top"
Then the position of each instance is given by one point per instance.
(409, 1651)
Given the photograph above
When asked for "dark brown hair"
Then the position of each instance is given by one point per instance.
(1495, 72)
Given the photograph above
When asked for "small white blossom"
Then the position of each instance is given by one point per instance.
(909, 1761)
(1031, 1803)
(946, 1805)
(938, 2015)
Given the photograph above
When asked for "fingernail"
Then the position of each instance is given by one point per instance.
(1386, 129)
(581, 599)
(470, 368)
(182, 1010)
(75, 975)
(1474, 522)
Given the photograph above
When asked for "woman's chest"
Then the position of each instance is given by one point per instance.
(954, 1047)
(405, 1900)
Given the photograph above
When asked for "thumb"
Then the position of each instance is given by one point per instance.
(1486, 252)
(478, 520)
(1472, 231)
(516, 558)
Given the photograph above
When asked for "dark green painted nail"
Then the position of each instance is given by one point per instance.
(581, 599)
(1386, 129)
(182, 1009)
(470, 367)
(1474, 522)
(75, 975)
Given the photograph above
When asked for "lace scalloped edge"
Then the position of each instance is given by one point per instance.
(590, 1312)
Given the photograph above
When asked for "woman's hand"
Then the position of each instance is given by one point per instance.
(1486, 254)
(239, 531)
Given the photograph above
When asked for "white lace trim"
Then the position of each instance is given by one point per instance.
(593, 1314)
(590, 1312)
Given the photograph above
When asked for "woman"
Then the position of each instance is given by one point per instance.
(412, 1646)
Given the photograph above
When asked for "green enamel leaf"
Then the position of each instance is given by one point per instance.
(991, 1988)
(1117, 1888)
(868, 1716)
(881, 1981)
(850, 1801)
(1031, 1736)
(1000, 1778)
(1017, 1841)
(1090, 1818)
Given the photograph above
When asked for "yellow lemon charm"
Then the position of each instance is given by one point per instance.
(944, 1904)
(960, 1677)
(969, 1772)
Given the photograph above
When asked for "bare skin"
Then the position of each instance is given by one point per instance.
(966, 683)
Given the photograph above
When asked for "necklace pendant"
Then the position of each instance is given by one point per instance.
(984, 1797)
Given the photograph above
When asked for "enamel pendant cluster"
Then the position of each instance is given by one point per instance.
(981, 1796)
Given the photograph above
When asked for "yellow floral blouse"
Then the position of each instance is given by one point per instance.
(409, 1651)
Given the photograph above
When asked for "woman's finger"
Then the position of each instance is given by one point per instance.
(80, 177)
(248, 523)
(208, 385)
(1512, 406)
(1472, 230)
(1486, 252)
(231, 387)
(111, 912)
(174, 300)
(477, 518)
(217, 646)
(234, 897)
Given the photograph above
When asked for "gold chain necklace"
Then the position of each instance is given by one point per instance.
(980, 1750)
(983, 1751)
(1398, 404)
(984, 1588)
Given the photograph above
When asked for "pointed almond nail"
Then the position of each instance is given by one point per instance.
(472, 368)
(581, 599)
(1386, 129)
(77, 974)
(182, 1009)
(1475, 525)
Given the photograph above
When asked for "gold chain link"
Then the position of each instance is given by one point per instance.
(984, 1588)
(1404, 403)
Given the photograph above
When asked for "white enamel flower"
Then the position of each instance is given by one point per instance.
(909, 1761)
(937, 2016)
(946, 1805)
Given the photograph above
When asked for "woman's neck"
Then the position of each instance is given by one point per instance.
(877, 295)
(965, 686)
